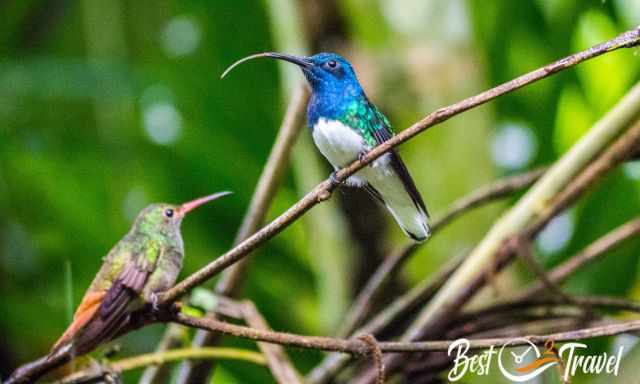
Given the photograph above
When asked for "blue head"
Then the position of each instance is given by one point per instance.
(333, 82)
(331, 74)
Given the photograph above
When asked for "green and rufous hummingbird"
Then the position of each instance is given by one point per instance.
(345, 125)
(145, 262)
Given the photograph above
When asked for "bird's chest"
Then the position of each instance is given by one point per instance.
(339, 143)
(166, 272)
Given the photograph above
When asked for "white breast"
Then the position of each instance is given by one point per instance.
(337, 142)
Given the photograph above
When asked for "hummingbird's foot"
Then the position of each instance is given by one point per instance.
(154, 300)
(362, 154)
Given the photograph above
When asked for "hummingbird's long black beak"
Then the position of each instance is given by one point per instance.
(299, 61)
(193, 204)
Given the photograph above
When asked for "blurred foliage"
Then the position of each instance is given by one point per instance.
(108, 106)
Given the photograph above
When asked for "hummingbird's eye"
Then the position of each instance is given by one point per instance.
(168, 212)
(332, 64)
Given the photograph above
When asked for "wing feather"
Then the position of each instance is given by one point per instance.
(381, 131)
(101, 314)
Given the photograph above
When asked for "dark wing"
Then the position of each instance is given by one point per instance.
(381, 131)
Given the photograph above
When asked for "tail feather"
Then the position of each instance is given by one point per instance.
(85, 312)
(405, 209)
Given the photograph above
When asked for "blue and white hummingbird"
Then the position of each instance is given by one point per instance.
(345, 125)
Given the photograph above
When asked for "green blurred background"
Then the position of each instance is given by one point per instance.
(106, 106)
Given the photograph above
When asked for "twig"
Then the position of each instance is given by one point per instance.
(30, 372)
(543, 326)
(605, 302)
(486, 194)
(359, 347)
(131, 363)
(514, 311)
(323, 190)
(496, 190)
(365, 299)
(524, 251)
(497, 323)
(579, 334)
(600, 247)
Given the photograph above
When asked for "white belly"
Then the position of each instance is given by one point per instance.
(340, 144)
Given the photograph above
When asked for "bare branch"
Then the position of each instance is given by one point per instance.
(360, 347)
(600, 247)
(524, 249)
(499, 309)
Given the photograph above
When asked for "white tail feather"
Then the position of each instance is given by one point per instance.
(412, 219)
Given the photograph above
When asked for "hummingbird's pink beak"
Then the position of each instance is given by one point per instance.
(193, 204)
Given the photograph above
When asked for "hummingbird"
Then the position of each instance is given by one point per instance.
(145, 262)
(345, 125)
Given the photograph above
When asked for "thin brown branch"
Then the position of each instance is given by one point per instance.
(502, 314)
(486, 194)
(517, 306)
(359, 347)
(600, 247)
(524, 249)
(497, 190)
(323, 190)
